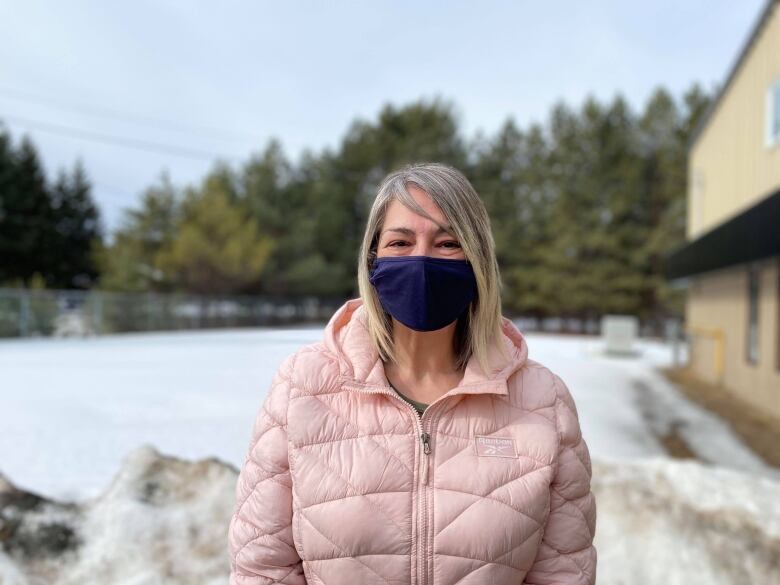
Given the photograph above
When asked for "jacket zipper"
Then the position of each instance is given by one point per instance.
(422, 487)
(422, 515)
(425, 440)
(424, 532)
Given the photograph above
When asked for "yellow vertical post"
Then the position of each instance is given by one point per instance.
(719, 338)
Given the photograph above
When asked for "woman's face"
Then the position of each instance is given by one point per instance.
(404, 233)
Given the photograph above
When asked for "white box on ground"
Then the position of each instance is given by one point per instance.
(619, 333)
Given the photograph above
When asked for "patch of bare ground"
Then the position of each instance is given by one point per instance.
(759, 430)
(675, 445)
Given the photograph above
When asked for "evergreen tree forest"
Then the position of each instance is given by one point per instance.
(584, 207)
(50, 232)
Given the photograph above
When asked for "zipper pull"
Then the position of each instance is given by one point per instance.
(426, 438)
(426, 442)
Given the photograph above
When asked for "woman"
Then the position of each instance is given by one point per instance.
(417, 443)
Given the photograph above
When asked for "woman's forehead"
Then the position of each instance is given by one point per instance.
(399, 215)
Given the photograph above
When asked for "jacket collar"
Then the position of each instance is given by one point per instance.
(360, 367)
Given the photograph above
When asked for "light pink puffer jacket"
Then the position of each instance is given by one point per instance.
(345, 484)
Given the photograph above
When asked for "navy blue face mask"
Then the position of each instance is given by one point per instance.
(422, 292)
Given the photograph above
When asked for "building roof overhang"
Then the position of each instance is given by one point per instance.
(751, 235)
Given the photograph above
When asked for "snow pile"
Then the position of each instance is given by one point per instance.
(678, 522)
(163, 521)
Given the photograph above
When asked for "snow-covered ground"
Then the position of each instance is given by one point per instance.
(625, 403)
(71, 410)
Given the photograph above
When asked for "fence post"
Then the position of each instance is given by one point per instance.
(674, 330)
(24, 313)
(97, 314)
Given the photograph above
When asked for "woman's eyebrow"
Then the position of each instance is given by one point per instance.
(410, 232)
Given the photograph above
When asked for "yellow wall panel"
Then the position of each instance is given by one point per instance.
(730, 167)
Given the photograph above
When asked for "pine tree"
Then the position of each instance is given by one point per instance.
(218, 248)
(279, 207)
(27, 224)
(9, 251)
(78, 231)
(131, 262)
(510, 174)
(563, 282)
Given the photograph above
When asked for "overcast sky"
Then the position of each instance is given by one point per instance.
(178, 83)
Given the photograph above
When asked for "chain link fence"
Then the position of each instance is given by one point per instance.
(52, 312)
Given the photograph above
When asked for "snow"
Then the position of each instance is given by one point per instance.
(82, 419)
(71, 408)
(679, 522)
(625, 403)
(161, 520)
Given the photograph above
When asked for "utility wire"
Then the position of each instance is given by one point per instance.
(91, 110)
(145, 145)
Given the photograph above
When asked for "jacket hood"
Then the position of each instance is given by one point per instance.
(347, 337)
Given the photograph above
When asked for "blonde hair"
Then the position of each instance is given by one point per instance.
(480, 324)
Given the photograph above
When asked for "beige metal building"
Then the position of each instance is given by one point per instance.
(731, 261)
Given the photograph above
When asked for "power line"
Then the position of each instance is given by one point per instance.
(91, 110)
(144, 145)
(106, 188)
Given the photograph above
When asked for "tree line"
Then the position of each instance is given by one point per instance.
(50, 231)
(584, 206)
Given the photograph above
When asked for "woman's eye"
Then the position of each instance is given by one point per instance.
(454, 244)
(393, 244)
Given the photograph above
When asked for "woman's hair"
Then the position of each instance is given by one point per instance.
(480, 324)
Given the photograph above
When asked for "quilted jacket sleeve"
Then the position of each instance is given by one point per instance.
(260, 536)
(566, 555)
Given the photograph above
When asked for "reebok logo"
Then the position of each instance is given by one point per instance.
(495, 446)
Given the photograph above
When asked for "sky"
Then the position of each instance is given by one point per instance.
(135, 89)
